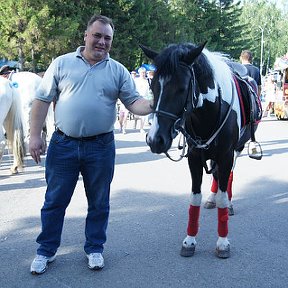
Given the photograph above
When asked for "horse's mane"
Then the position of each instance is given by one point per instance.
(170, 58)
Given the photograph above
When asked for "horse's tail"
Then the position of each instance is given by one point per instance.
(14, 130)
(50, 122)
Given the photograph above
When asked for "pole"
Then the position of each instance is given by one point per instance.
(262, 46)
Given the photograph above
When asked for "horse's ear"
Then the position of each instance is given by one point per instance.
(151, 54)
(194, 53)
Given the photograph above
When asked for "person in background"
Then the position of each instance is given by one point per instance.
(83, 142)
(246, 59)
(150, 75)
(123, 117)
(270, 89)
(124, 112)
(133, 74)
(142, 86)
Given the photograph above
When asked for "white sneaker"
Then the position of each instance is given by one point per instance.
(40, 264)
(95, 261)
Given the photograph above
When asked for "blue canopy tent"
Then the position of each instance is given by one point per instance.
(10, 63)
(148, 67)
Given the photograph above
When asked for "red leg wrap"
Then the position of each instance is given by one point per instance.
(214, 186)
(229, 186)
(193, 223)
(223, 222)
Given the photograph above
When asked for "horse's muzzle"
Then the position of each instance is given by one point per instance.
(157, 143)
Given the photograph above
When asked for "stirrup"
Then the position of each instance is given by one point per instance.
(255, 150)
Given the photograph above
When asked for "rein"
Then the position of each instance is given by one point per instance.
(179, 125)
(198, 143)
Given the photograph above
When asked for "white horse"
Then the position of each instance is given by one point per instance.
(11, 121)
(25, 85)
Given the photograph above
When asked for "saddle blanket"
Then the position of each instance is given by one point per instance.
(250, 103)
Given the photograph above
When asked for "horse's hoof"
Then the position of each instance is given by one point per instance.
(223, 253)
(230, 211)
(14, 171)
(210, 205)
(187, 251)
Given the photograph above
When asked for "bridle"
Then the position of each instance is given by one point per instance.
(190, 101)
(179, 124)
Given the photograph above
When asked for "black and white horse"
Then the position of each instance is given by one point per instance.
(196, 93)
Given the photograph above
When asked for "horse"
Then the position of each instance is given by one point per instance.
(195, 94)
(11, 120)
(25, 84)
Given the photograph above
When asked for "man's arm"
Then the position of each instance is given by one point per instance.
(141, 107)
(39, 112)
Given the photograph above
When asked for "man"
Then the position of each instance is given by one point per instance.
(246, 59)
(84, 86)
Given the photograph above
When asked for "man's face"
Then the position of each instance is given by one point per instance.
(98, 40)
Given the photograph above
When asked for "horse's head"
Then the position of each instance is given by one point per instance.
(173, 87)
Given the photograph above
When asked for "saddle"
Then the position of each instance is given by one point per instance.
(247, 90)
(251, 108)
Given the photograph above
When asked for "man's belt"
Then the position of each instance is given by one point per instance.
(88, 138)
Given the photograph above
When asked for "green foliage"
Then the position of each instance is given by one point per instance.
(35, 32)
(261, 14)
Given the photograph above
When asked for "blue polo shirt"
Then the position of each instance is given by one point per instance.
(85, 94)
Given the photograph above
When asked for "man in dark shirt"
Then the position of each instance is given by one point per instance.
(246, 59)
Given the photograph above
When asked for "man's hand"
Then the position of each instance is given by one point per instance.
(38, 114)
(36, 147)
(141, 107)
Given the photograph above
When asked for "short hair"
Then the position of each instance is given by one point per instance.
(141, 69)
(101, 18)
(246, 55)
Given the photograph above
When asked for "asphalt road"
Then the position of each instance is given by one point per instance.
(149, 211)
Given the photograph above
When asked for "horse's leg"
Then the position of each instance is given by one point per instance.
(222, 204)
(230, 182)
(44, 138)
(229, 192)
(211, 200)
(19, 152)
(189, 243)
(2, 143)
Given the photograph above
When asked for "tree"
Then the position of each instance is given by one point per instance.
(35, 32)
(229, 28)
(262, 14)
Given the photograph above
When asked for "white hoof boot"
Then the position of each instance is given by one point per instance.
(230, 209)
(223, 248)
(211, 201)
(188, 246)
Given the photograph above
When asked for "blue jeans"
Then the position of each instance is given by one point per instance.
(66, 158)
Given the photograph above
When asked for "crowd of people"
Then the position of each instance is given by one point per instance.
(272, 92)
(269, 87)
(142, 81)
